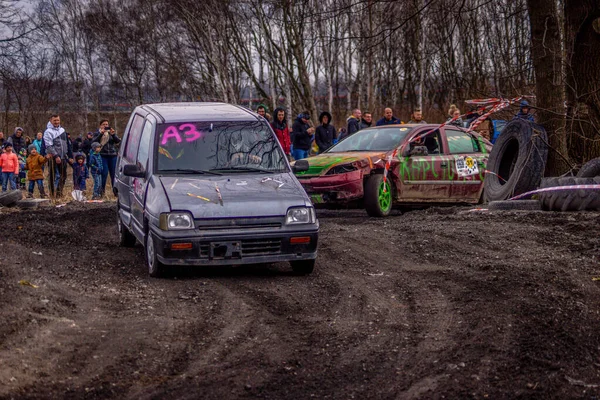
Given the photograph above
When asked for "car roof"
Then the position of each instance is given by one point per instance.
(188, 112)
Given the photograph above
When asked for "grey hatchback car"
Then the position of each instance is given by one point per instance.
(208, 184)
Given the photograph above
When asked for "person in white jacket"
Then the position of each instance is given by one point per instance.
(59, 154)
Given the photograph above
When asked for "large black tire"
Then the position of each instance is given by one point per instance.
(155, 267)
(303, 267)
(517, 160)
(27, 204)
(570, 200)
(377, 203)
(10, 198)
(515, 205)
(126, 238)
(590, 169)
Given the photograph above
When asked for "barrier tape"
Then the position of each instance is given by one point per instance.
(555, 189)
(387, 168)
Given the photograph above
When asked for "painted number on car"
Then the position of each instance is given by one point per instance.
(466, 166)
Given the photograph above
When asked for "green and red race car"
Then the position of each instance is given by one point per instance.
(432, 165)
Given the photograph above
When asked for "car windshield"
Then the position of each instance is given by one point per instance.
(377, 139)
(218, 147)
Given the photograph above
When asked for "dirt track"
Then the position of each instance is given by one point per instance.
(430, 304)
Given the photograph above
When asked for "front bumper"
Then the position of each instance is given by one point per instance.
(339, 188)
(235, 248)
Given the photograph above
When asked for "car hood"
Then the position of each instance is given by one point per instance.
(319, 165)
(241, 195)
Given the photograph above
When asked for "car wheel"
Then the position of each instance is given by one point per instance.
(155, 267)
(303, 267)
(126, 238)
(378, 196)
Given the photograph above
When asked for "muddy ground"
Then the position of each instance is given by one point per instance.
(433, 304)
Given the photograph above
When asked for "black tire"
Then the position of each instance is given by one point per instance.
(155, 267)
(27, 204)
(374, 204)
(590, 169)
(10, 198)
(303, 267)
(571, 199)
(517, 160)
(126, 238)
(515, 205)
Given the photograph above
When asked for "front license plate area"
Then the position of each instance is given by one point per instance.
(225, 250)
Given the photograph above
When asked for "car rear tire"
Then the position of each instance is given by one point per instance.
(377, 202)
(126, 238)
(303, 267)
(155, 267)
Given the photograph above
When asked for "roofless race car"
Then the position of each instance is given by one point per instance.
(433, 165)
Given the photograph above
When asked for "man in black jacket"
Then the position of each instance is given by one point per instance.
(86, 145)
(325, 132)
(107, 138)
(366, 121)
(303, 135)
(353, 122)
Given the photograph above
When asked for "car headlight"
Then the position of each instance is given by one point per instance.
(176, 221)
(342, 169)
(300, 215)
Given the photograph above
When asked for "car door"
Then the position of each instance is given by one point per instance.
(138, 192)
(123, 183)
(425, 178)
(467, 165)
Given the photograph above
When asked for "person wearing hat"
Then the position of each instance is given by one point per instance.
(17, 140)
(325, 132)
(96, 167)
(303, 135)
(86, 144)
(35, 173)
(524, 112)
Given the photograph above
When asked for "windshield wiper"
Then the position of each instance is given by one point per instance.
(245, 169)
(191, 171)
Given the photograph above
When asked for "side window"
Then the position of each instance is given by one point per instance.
(133, 138)
(461, 142)
(431, 141)
(142, 156)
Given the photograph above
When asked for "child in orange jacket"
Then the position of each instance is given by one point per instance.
(10, 167)
(35, 174)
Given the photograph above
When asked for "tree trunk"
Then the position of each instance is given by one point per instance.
(547, 63)
(582, 47)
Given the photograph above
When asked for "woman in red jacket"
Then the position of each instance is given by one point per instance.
(281, 130)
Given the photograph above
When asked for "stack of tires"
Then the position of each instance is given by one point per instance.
(516, 165)
(576, 199)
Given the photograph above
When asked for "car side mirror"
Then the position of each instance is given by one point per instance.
(300, 166)
(418, 151)
(134, 171)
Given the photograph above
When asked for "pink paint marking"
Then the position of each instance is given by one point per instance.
(170, 132)
(191, 133)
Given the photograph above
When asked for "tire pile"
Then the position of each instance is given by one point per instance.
(516, 166)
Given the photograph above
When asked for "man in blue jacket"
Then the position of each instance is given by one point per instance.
(524, 112)
(388, 118)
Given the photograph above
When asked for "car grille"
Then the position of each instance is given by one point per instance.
(243, 223)
(260, 247)
(250, 247)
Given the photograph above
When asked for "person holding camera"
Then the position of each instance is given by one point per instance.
(107, 137)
